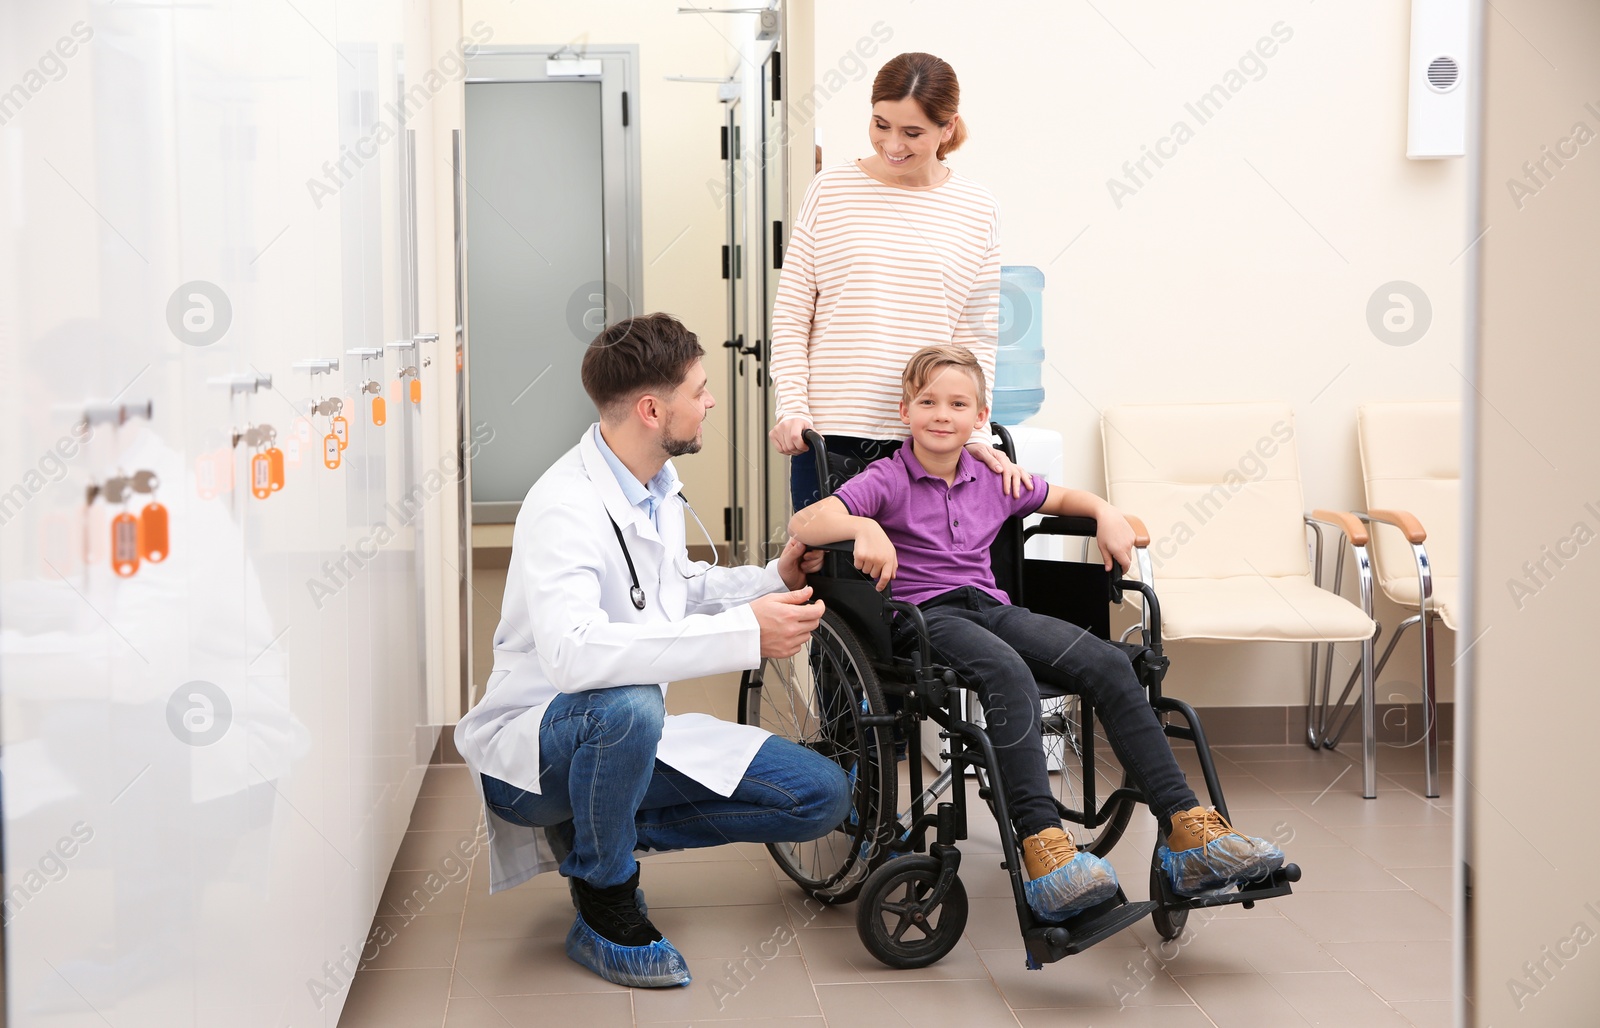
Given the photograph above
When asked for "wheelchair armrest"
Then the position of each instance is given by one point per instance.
(1086, 528)
(1058, 525)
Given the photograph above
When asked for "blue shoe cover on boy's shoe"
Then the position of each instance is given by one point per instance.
(1063, 881)
(652, 966)
(1204, 855)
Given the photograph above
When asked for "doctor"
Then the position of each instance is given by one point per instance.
(602, 609)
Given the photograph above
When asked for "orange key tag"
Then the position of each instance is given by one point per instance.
(341, 430)
(416, 390)
(330, 450)
(379, 409)
(153, 533)
(261, 476)
(125, 544)
(274, 468)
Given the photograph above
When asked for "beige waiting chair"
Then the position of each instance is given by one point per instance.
(1218, 486)
(1411, 462)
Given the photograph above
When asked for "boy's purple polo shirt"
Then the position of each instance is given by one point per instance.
(940, 533)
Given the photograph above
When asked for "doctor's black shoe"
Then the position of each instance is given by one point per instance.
(613, 938)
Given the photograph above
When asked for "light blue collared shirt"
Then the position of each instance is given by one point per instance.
(647, 498)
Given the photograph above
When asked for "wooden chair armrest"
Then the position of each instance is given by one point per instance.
(1404, 520)
(1348, 523)
(1141, 535)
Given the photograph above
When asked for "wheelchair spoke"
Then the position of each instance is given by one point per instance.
(909, 912)
(816, 699)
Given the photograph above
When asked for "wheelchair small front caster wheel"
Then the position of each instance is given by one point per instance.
(895, 919)
(1168, 921)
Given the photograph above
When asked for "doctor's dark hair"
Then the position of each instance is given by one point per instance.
(932, 84)
(650, 353)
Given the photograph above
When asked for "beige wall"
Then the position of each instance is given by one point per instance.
(1530, 677)
(1241, 269)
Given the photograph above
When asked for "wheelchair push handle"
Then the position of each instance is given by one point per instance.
(819, 451)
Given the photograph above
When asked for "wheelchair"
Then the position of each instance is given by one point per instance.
(858, 699)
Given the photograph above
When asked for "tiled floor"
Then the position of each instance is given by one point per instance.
(1365, 940)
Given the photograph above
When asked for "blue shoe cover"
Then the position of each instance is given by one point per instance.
(655, 966)
(1219, 866)
(1080, 884)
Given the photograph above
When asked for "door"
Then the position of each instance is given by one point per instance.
(553, 236)
(742, 444)
(773, 217)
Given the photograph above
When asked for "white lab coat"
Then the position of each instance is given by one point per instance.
(568, 625)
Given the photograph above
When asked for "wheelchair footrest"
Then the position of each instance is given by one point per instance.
(1047, 943)
(1270, 887)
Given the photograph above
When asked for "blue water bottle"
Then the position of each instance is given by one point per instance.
(1018, 373)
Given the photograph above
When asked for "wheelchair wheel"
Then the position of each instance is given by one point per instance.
(896, 922)
(1064, 744)
(817, 698)
(1169, 923)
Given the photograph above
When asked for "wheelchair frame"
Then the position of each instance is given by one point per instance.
(900, 856)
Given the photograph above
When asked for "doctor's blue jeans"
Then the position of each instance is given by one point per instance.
(598, 770)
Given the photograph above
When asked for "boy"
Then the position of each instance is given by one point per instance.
(926, 517)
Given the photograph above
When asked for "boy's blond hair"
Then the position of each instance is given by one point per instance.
(926, 362)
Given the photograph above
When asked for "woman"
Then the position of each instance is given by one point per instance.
(891, 253)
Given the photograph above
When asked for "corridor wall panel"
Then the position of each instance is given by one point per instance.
(209, 759)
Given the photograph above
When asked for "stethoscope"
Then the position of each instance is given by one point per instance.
(636, 594)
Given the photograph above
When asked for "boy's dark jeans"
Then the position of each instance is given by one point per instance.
(999, 649)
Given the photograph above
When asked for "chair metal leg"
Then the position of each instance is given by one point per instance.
(1327, 664)
(1332, 740)
(1312, 737)
(1369, 700)
(1430, 712)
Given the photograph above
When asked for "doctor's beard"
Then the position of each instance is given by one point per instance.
(675, 447)
(679, 447)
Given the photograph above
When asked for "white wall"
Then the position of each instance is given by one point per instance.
(1523, 787)
(183, 853)
(1239, 270)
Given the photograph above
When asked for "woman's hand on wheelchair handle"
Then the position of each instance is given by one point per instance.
(785, 435)
(875, 556)
(1016, 476)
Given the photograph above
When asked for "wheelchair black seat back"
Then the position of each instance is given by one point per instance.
(858, 694)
